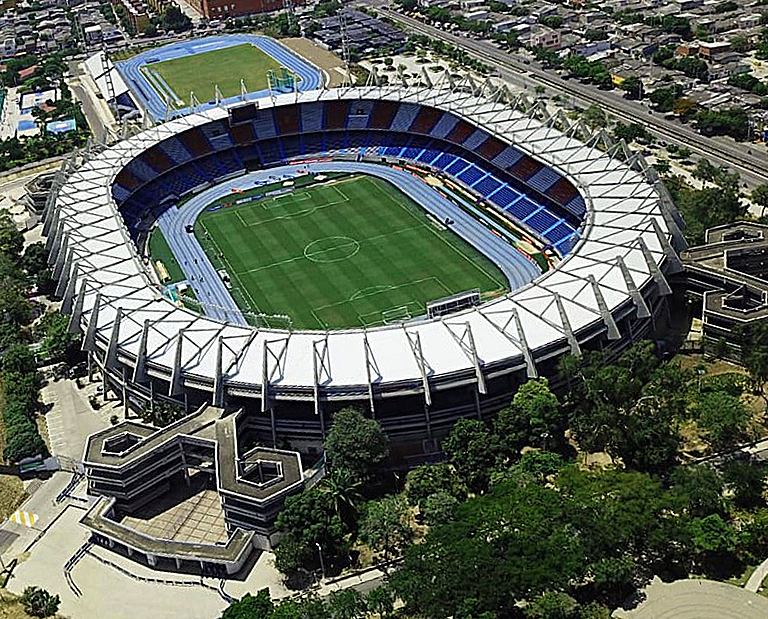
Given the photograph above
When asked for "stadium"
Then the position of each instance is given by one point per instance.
(574, 234)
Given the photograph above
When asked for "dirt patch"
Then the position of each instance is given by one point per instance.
(324, 60)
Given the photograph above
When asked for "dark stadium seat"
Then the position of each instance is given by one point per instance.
(176, 151)
(359, 114)
(475, 139)
(312, 117)
(287, 118)
(426, 119)
(460, 132)
(562, 191)
(577, 206)
(404, 117)
(158, 160)
(195, 142)
(217, 133)
(264, 125)
(127, 180)
(382, 114)
(525, 168)
(141, 170)
(444, 126)
(490, 148)
(336, 114)
(543, 179)
(506, 158)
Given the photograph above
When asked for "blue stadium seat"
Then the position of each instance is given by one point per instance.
(428, 155)
(576, 206)
(541, 220)
(444, 160)
(312, 117)
(504, 196)
(522, 208)
(567, 244)
(487, 186)
(444, 126)
(175, 151)
(457, 167)
(411, 153)
(471, 175)
(558, 232)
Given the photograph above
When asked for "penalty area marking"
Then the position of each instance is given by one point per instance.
(331, 249)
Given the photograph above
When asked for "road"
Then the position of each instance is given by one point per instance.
(91, 115)
(753, 167)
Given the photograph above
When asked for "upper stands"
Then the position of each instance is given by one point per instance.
(521, 187)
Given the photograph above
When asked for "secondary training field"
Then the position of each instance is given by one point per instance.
(161, 97)
(200, 73)
(348, 253)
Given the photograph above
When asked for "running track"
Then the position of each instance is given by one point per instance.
(213, 294)
(151, 100)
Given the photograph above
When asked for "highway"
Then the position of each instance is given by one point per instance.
(753, 167)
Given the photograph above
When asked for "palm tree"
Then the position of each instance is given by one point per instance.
(344, 489)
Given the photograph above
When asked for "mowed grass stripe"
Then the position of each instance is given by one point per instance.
(377, 241)
(200, 73)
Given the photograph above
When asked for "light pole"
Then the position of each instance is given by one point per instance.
(320, 554)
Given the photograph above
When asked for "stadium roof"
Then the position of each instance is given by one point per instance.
(625, 239)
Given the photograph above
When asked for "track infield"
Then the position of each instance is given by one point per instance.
(351, 252)
(199, 73)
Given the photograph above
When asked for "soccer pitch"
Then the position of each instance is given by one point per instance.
(353, 252)
(200, 73)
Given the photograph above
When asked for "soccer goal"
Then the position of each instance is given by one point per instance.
(396, 314)
(271, 321)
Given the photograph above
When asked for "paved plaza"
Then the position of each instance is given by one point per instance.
(184, 514)
(697, 599)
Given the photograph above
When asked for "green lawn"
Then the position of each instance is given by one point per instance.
(350, 252)
(201, 72)
(159, 250)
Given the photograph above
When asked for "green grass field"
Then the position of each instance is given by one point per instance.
(201, 72)
(351, 252)
(159, 250)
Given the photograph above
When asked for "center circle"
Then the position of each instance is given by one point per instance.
(331, 249)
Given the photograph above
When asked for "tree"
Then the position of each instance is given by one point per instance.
(754, 353)
(308, 520)
(257, 606)
(385, 525)
(633, 86)
(381, 601)
(161, 413)
(724, 417)
(18, 359)
(39, 603)
(58, 342)
(472, 451)
(552, 605)
(713, 540)
(594, 117)
(439, 508)
(759, 196)
(347, 604)
(35, 259)
(355, 443)
(533, 419)
(426, 480)
(11, 239)
(702, 486)
(747, 483)
(662, 166)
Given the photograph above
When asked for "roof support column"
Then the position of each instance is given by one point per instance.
(77, 309)
(613, 329)
(218, 378)
(110, 359)
(89, 341)
(653, 267)
(176, 386)
(140, 369)
(481, 386)
(264, 379)
(69, 291)
(640, 305)
(569, 336)
(672, 259)
(367, 351)
(419, 356)
(531, 370)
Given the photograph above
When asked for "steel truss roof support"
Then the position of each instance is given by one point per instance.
(415, 341)
(653, 267)
(176, 385)
(573, 343)
(110, 359)
(140, 369)
(466, 342)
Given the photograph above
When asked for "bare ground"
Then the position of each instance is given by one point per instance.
(321, 58)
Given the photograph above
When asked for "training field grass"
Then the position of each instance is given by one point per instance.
(351, 252)
(200, 73)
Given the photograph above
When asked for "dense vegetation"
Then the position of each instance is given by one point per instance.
(514, 525)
